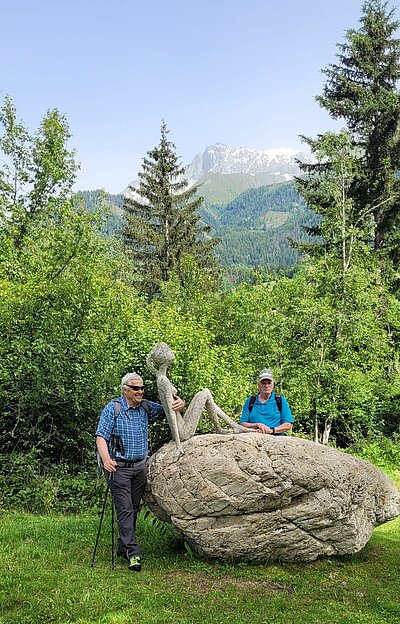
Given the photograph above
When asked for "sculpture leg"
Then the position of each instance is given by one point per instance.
(229, 421)
(188, 422)
(204, 400)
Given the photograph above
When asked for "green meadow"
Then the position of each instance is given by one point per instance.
(46, 578)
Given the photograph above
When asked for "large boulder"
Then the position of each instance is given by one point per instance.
(254, 497)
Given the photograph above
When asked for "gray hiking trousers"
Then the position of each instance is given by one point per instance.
(127, 487)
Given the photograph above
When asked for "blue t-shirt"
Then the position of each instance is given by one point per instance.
(267, 413)
(131, 424)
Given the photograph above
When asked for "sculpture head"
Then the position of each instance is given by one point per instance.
(161, 353)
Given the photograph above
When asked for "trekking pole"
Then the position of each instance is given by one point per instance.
(100, 524)
(112, 536)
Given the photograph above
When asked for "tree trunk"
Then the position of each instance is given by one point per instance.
(326, 432)
(316, 432)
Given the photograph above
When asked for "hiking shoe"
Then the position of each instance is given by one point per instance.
(134, 564)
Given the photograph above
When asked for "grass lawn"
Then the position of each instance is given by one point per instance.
(46, 577)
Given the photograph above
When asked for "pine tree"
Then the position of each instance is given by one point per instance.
(162, 223)
(362, 89)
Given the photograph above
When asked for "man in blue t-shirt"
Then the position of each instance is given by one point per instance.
(265, 416)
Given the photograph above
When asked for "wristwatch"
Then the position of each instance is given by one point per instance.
(273, 430)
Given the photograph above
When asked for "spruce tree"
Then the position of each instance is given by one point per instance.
(362, 89)
(162, 223)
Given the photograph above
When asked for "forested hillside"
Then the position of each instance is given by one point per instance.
(219, 188)
(254, 228)
(251, 208)
(109, 205)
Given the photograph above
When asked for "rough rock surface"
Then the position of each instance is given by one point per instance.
(253, 497)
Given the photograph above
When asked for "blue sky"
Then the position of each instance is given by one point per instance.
(243, 73)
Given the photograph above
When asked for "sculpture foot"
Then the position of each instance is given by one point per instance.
(178, 452)
(223, 431)
(234, 426)
(240, 429)
(234, 429)
(219, 429)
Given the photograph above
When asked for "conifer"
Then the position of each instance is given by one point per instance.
(162, 223)
(362, 89)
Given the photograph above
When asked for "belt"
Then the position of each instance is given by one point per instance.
(129, 464)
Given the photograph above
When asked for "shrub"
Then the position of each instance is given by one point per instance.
(26, 483)
(380, 451)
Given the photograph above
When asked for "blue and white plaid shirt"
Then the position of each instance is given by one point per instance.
(131, 424)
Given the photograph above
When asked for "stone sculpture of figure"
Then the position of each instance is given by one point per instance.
(184, 426)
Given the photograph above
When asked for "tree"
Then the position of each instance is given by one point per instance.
(63, 306)
(162, 224)
(328, 192)
(362, 89)
(37, 173)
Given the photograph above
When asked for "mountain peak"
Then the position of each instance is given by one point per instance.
(221, 158)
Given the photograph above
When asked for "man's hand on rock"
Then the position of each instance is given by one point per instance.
(263, 428)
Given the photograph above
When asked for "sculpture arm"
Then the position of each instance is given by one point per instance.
(168, 399)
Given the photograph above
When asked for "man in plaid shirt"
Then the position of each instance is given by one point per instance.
(122, 442)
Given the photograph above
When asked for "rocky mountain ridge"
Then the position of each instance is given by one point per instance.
(280, 164)
(222, 172)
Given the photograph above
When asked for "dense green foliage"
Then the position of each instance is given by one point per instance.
(354, 187)
(58, 301)
(332, 357)
(27, 483)
(162, 223)
(72, 324)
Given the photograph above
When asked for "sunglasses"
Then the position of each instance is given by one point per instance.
(136, 388)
